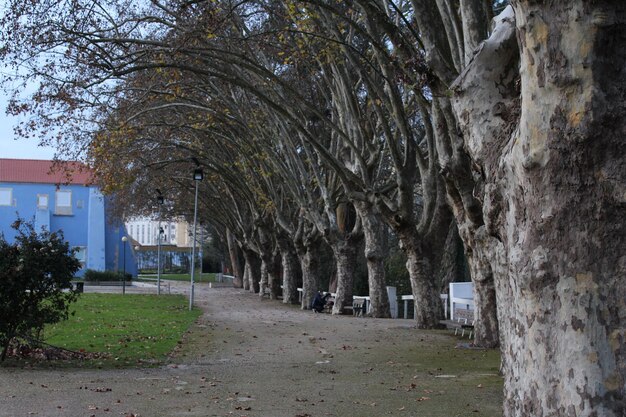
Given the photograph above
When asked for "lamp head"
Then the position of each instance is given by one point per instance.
(198, 175)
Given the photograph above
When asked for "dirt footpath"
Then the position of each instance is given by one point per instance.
(251, 357)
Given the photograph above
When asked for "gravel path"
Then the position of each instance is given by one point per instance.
(251, 357)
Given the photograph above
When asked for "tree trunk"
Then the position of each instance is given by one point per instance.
(252, 269)
(263, 282)
(309, 255)
(274, 280)
(246, 279)
(555, 193)
(374, 250)
(345, 252)
(461, 187)
(234, 259)
(428, 307)
(481, 259)
(453, 261)
(270, 268)
(291, 270)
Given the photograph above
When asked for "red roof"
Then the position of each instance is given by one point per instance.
(45, 172)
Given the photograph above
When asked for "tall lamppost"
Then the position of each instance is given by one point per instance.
(139, 260)
(198, 176)
(124, 240)
(160, 201)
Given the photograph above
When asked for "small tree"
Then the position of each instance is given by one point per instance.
(35, 282)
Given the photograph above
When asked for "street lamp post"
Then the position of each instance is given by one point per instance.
(139, 260)
(160, 201)
(198, 175)
(124, 240)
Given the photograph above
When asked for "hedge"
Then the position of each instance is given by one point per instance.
(91, 275)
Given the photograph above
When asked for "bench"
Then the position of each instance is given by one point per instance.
(359, 307)
(463, 320)
(461, 297)
(330, 303)
(407, 298)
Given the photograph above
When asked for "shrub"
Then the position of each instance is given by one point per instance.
(92, 275)
(36, 273)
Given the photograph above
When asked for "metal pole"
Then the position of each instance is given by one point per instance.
(193, 248)
(159, 254)
(124, 262)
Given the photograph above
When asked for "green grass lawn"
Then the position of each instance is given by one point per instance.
(204, 277)
(129, 328)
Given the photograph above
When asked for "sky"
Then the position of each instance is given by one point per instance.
(11, 146)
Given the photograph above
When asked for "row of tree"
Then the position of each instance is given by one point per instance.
(324, 121)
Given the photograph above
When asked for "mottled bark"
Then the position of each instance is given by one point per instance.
(554, 196)
(428, 307)
(233, 252)
(292, 274)
(372, 225)
(270, 275)
(462, 184)
(246, 279)
(452, 265)
(309, 255)
(264, 281)
(475, 19)
(345, 252)
(482, 256)
(252, 270)
(274, 275)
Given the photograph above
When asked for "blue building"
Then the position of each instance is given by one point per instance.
(64, 197)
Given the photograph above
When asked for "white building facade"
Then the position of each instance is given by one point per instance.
(145, 231)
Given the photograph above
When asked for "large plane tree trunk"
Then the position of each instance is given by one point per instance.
(422, 268)
(252, 270)
(372, 225)
(233, 253)
(555, 175)
(292, 274)
(309, 250)
(345, 252)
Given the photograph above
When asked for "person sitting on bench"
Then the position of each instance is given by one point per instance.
(319, 301)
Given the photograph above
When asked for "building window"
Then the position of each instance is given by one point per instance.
(80, 253)
(42, 201)
(131, 232)
(6, 196)
(63, 203)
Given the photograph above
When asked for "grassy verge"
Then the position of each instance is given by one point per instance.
(129, 328)
(204, 277)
